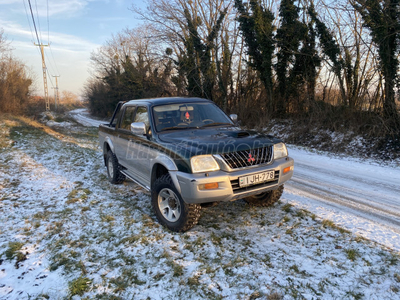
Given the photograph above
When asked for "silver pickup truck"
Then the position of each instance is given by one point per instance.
(190, 154)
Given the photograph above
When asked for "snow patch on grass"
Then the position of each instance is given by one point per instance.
(83, 237)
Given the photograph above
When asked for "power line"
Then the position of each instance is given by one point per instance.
(48, 39)
(37, 35)
(47, 70)
(49, 64)
(27, 17)
(41, 45)
(51, 82)
(54, 60)
(38, 21)
(48, 24)
(34, 24)
(46, 91)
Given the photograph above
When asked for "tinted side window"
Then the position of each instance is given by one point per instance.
(127, 118)
(142, 116)
(116, 117)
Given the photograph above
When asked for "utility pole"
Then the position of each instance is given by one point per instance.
(56, 94)
(46, 91)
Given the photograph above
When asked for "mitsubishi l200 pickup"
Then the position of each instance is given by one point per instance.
(188, 153)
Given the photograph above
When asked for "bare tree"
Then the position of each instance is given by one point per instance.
(15, 85)
(201, 44)
(15, 80)
(128, 66)
(383, 20)
(4, 45)
(357, 62)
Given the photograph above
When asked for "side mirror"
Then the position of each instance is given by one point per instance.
(233, 117)
(138, 128)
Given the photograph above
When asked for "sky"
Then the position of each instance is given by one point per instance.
(74, 29)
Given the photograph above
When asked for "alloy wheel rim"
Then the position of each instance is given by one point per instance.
(110, 168)
(169, 205)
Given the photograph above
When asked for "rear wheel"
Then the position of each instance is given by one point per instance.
(169, 207)
(113, 172)
(265, 199)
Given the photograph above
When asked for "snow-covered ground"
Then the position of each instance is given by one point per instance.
(82, 116)
(67, 233)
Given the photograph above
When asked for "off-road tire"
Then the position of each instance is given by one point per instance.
(113, 169)
(265, 199)
(188, 214)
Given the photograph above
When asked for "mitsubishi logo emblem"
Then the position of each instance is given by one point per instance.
(251, 158)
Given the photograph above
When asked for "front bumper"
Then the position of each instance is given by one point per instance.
(228, 183)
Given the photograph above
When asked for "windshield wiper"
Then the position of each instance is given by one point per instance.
(216, 124)
(179, 128)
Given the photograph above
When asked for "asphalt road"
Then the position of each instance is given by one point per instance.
(363, 191)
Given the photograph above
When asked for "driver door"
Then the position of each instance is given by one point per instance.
(139, 152)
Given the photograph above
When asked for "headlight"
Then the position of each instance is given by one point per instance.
(203, 163)
(280, 151)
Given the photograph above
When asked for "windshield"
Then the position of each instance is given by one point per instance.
(188, 115)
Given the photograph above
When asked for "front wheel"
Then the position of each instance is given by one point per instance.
(265, 199)
(170, 209)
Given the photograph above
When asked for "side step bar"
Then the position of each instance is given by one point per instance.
(135, 181)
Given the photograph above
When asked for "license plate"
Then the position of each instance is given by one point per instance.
(256, 178)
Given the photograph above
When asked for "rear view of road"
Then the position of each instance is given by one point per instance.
(83, 117)
(362, 197)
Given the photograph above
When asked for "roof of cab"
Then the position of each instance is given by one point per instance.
(166, 100)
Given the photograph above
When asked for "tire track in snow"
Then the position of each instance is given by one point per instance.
(359, 193)
(348, 204)
(386, 183)
(78, 115)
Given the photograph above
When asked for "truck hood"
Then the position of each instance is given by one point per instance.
(216, 140)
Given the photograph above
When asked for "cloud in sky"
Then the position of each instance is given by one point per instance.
(65, 9)
(71, 64)
(74, 28)
(9, 1)
(68, 56)
(65, 41)
(14, 28)
(42, 8)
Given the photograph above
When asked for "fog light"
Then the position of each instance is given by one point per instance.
(208, 186)
(288, 169)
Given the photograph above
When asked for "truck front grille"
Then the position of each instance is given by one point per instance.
(247, 158)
